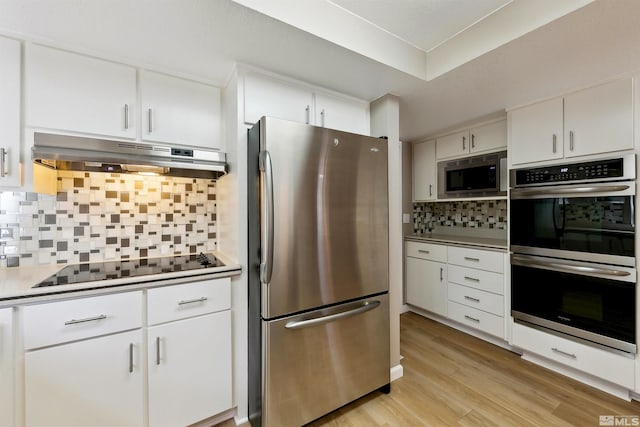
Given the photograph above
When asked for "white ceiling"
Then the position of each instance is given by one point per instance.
(423, 23)
(204, 39)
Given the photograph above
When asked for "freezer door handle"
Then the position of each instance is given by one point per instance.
(266, 219)
(299, 324)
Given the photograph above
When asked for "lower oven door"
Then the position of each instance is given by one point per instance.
(592, 302)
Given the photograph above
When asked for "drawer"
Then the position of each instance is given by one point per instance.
(476, 258)
(64, 321)
(474, 278)
(604, 364)
(478, 319)
(191, 299)
(427, 251)
(485, 301)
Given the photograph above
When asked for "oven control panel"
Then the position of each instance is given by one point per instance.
(590, 171)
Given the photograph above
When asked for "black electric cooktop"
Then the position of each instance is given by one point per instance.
(95, 271)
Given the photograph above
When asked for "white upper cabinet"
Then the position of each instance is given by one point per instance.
(536, 132)
(267, 96)
(10, 107)
(599, 119)
(424, 171)
(591, 121)
(335, 112)
(180, 111)
(480, 139)
(67, 91)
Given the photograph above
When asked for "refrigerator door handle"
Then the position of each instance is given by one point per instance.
(299, 324)
(266, 220)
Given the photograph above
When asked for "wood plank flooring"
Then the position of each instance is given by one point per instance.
(451, 378)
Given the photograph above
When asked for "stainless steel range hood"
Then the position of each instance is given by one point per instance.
(64, 152)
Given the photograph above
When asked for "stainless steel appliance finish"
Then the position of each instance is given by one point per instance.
(318, 239)
(99, 155)
(476, 176)
(572, 237)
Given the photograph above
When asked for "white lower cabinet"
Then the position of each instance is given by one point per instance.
(604, 364)
(95, 382)
(426, 277)
(6, 367)
(189, 370)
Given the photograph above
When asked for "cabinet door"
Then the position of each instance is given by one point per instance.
(427, 285)
(10, 112)
(189, 370)
(179, 111)
(489, 137)
(96, 382)
(599, 119)
(67, 91)
(6, 367)
(266, 96)
(536, 132)
(339, 113)
(424, 171)
(453, 145)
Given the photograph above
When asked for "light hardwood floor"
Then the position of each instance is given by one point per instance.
(451, 378)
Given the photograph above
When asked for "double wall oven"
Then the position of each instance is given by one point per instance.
(572, 238)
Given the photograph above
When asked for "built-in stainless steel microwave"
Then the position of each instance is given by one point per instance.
(477, 176)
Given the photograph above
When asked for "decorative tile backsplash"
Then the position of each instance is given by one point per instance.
(101, 216)
(490, 214)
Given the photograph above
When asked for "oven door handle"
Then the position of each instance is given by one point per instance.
(568, 192)
(567, 268)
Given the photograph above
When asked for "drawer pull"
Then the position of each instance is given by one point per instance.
(193, 301)
(472, 318)
(422, 251)
(564, 353)
(471, 298)
(88, 319)
(471, 279)
(468, 258)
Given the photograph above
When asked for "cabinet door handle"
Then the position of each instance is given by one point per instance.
(554, 143)
(473, 141)
(468, 258)
(423, 251)
(130, 358)
(150, 119)
(193, 301)
(157, 350)
(471, 279)
(441, 274)
(307, 113)
(87, 319)
(473, 319)
(471, 298)
(126, 116)
(3, 162)
(571, 138)
(464, 139)
(430, 190)
(322, 117)
(564, 353)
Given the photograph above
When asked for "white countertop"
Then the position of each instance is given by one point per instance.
(16, 283)
(484, 242)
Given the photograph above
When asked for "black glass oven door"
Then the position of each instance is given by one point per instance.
(596, 305)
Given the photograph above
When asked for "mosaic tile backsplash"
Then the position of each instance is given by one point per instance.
(489, 214)
(101, 216)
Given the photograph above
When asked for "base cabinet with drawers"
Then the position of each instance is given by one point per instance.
(463, 284)
(6, 367)
(106, 361)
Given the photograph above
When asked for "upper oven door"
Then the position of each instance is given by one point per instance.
(592, 222)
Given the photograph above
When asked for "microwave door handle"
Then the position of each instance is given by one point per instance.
(567, 268)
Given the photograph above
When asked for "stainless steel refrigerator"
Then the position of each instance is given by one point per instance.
(318, 270)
